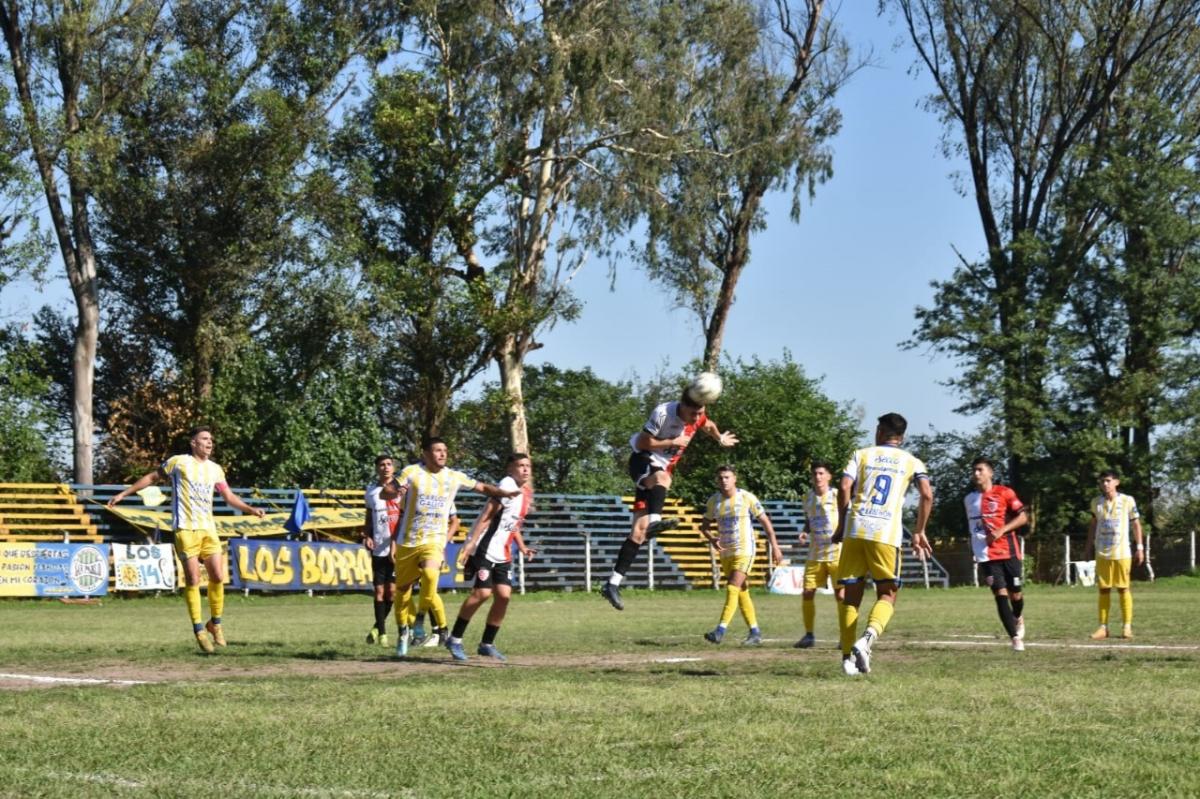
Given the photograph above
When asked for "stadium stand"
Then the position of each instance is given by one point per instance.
(44, 512)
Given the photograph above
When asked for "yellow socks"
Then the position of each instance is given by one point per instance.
(1103, 605)
(732, 594)
(881, 614)
(429, 595)
(1126, 598)
(191, 595)
(809, 607)
(404, 613)
(848, 625)
(216, 600)
(747, 606)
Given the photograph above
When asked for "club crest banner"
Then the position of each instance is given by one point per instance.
(37, 569)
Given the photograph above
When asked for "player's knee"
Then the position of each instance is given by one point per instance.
(809, 594)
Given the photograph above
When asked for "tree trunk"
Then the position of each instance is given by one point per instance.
(510, 358)
(83, 371)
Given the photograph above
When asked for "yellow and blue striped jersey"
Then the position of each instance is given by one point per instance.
(733, 516)
(821, 513)
(881, 475)
(428, 504)
(1113, 519)
(192, 484)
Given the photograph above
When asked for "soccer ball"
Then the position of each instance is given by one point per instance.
(705, 388)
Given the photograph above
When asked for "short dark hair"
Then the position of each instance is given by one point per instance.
(517, 456)
(820, 465)
(892, 425)
(1110, 473)
(381, 458)
(984, 461)
(428, 441)
(197, 430)
(725, 467)
(687, 399)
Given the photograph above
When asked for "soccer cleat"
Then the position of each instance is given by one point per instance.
(490, 651)
(613, 594)
(418, 634)
(218, 635)
(848, 667)
(714, 636)
(433, 640)
(660, 526)
(1127, 631)
(1017, 644)
(753, 639)
(806, 642)
(202, 641)
(456, 649)
(402, 643)
(383, 640)
(862, 654)
(1021, 627)
(373, 636)
(1101, 633)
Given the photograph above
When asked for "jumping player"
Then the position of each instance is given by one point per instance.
(731, 510)
(657, 447)
(383, 500)
(820, 523)
(420, 543)
(193, 478)
(1113, 514)
(487, 557)
(870, 502)
(994, 514)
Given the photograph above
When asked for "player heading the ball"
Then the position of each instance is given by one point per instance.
(657, 447)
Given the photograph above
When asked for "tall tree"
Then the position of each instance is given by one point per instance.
(764, 120)
(1024, 88)
(535, 102)
(72, 66)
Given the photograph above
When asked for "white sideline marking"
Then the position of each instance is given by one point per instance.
(69, 680)
(677, 660)
(1158, 647)
(99, 778)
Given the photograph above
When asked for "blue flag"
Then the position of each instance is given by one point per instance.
(300, 514)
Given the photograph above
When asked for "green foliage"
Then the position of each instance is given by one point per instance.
(579, 429)
(784, 422)
(26, 417)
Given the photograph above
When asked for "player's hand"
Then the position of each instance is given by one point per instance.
(112, 503)
(369, 543)
(529, 554)
(681, 441)
(803, 538)
(921, 547)
(462, 556)
(837, 536)
(1139, 557)
(776, 555)
(727, 439)
(258, 513)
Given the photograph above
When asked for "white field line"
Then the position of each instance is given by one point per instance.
(676, 660)
(213, 787)
(992, 641)
(46, 678)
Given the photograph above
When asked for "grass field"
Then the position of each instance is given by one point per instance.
(600, 703)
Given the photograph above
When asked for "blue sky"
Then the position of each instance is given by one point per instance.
(837, 290)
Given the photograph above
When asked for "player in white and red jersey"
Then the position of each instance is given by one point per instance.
(487, 557)
(384, 499)
(657, 447)
(994, 514)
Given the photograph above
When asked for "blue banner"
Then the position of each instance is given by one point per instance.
(29, 569)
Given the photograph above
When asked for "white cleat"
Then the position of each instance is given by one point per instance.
(1017, 644)
(862, 654)
(849, 669)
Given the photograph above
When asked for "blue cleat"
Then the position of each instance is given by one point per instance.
(714, 636)
(490, 651)
(402, 643)
(456, 649)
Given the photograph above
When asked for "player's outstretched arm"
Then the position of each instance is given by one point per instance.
(726, 439)
(149, 478)
(487, 489)
(236, 502)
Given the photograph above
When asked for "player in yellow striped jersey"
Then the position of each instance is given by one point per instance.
(870, 503)
(193, 479)
(731, 510)
(820, 523)
(420, 543)
(1113, 515)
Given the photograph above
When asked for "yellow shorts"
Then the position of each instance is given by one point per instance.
(817, 572)
(1113, 573)
(736, 563)
(861, 557)
(197, 544)
(409, 560)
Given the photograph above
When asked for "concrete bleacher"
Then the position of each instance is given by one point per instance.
(577, 536)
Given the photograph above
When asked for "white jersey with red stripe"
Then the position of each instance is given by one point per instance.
(497, 543)
(664, 422)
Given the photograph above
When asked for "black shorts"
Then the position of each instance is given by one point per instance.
(640, 467)
(1001, 574)
(383, 571)
(489, 575)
